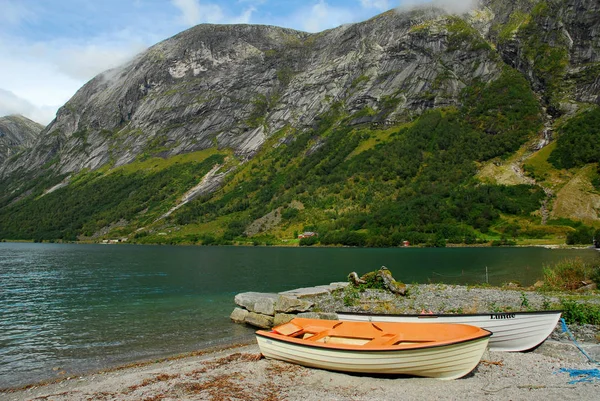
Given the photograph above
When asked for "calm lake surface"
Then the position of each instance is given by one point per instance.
(75, 308)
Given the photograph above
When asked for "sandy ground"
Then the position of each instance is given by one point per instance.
(240, 373)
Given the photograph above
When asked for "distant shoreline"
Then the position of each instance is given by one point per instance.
(486, 245)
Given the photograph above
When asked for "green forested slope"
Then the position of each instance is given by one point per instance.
(417, 184)
(375, 176)
(128, 198)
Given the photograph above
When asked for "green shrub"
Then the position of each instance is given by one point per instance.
(289, 213)
(503, 242)
(579, 141)
(235, 228)
(596, 178)
(568, 274)
(583, 235)
(351, 295)
(580, 313)
(308, 241)
(595, 275)
(372, 281)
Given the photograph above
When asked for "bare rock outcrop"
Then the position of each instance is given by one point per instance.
(17, 133)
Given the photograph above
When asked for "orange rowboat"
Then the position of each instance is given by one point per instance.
(443, 351)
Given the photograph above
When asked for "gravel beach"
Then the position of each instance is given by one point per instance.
(239, 373)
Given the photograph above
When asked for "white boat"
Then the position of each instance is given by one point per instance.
(443, 351)
(511, 331)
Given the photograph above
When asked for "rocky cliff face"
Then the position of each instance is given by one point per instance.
(235, 86)
(16, 134)
(294, 99)
(556, 44)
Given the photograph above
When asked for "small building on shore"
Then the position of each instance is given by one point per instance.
(307, 234)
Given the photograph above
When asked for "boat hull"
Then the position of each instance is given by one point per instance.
(444, 362)
(443, 351)
(511, 331)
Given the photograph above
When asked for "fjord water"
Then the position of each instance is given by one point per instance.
(67, 309)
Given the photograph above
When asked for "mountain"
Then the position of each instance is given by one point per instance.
(16, 133)
(236, 86)
(417, 125)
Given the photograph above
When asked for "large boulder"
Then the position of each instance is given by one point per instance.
(239, 315)
(259, 320)
(265, 306)
(314, 291)
(259, 302)
(282, 318)
(288, 304)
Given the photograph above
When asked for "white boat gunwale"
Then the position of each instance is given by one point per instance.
(433, 316)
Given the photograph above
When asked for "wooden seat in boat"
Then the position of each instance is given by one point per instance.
(385, 339)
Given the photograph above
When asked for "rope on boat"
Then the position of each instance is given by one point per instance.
(565, 329)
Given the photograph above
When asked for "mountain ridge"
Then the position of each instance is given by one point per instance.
(423, 98)
(122, 97)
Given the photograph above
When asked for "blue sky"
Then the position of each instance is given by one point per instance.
(50, 48)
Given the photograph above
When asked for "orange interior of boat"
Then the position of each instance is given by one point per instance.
(376, 335)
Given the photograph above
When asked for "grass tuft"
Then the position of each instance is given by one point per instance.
(569, 275)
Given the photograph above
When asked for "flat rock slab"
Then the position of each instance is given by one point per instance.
(314, 291)
(305, 292)
(288, 304)
(260, 302)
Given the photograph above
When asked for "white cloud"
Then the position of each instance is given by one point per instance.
(450, 6)
(194, 12)
(43, 76)
(381, 5)
(84, 61)
(12, 104)
(244, 18)
(321, 16)
(35, 79)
